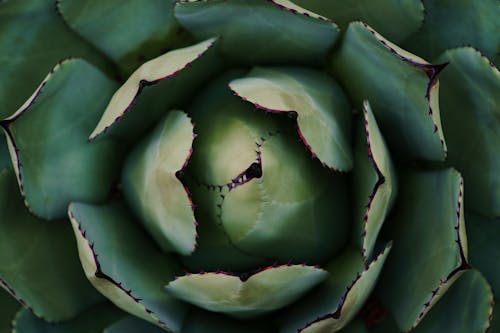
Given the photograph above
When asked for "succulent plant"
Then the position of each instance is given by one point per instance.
(249, 166)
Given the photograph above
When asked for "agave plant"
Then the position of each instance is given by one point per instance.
(249, 166)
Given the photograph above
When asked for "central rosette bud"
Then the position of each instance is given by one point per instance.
(248, 192)
(258, 187)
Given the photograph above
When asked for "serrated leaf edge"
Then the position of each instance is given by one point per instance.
(99, 274)
(12, 146)
(430, 70)
(141, 85)
(338, 312)
(445, 283)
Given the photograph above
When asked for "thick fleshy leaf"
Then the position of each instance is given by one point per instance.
(214, 250)
(260, 32)
(402, 90)
(374, 183)
(33, 38)
(470, 108)
(456, 23)
(129, 32)
(394, 19)
(122, 263)
(8, 309)
(131, 324)
(48, 144)
(157, 86)
(153, 190)
(38, 260)
(94, 319)
(484, 247)
(430, 244)
(322, 111)
(337, 301)
(208, 322)
(245, 296)
(465, 308)
(266, 193)
(297, 210)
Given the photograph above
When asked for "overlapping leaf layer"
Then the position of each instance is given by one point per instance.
(203, 166)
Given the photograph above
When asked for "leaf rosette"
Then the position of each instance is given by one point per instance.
(249, 165)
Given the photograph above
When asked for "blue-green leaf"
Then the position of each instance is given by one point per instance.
(430, 244)
(401, 87)
(260, 32)
(47, 137)
(39, 263)
(122, 263)
(470, 108)
(33, 39)
(129, 32)
(383, 15)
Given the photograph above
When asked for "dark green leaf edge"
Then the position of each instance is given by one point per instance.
(293, 115)
(380, 180)
(431, 70)
(99, 274)
(144, 83)
(5, 124)
(13, 293)
(338, 312)
(461, 241)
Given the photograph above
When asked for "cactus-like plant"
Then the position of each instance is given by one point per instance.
(249, 166)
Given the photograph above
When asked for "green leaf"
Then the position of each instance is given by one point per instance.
(8, 309)
(129, 32)
(456, 23)
(94, 319)
(48, 144)
(323, 112)
(484, 247)
(430, 244)
(297, 210)
(209, 322)
(332, 305)
(38, 260)
(122, 263)
(255, 31)
(465, 308)
(265, 193)
(160, 84)
(153, 189)
(33, 38)
(214, 250)
(402, 90)
(131, 324)
(374, 185)
(395, 19)
(471, 122)
(245, 297)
